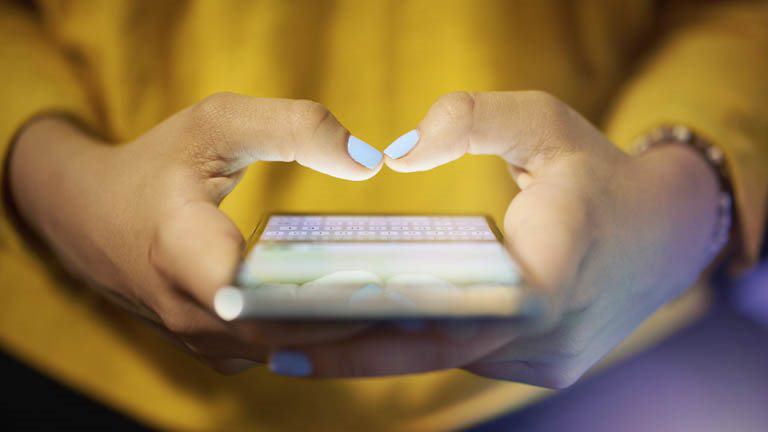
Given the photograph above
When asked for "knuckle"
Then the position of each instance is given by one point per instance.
(208, 125)
(454, 112)
(309, 120)
(213, 109)
(310, 115)
(456, 105)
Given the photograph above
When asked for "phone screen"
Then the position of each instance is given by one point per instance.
(308, 266)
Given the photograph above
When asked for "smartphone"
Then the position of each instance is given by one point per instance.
(374, 266)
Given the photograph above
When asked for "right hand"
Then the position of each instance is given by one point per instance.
(140, 221)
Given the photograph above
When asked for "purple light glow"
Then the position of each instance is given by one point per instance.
(751, 293)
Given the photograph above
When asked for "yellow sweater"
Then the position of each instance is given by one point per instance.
(121, 66)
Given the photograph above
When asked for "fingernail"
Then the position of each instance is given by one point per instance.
(228, 303)
(290, 363)
(363, 153)
(401, 146)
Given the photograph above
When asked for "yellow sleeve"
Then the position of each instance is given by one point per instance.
(35, 78)
(709, 71)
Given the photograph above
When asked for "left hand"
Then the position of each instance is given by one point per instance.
(604, 237)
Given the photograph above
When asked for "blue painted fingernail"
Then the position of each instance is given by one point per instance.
(401, 146)
(363, 153)
(290, 363)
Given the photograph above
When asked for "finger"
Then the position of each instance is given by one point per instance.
(232, 366)
(236, 130)
(384, 351)
(548, 232)
(218, 362)
(277, 334)
(206, 335)
(521, 127)
(198, 249)
(522, 371)
(555, 359)
(192, 329)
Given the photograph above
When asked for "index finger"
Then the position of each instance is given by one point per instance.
(385, 351)
(236, 130)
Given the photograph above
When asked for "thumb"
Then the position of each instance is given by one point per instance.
(521, 127)
(232, 131)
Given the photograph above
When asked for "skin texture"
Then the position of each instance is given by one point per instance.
(603, 237)
(140, 222)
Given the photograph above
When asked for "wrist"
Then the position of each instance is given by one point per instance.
(688, 167)
(56, 175)
(714, 159)
(692, 190)
(40, 168)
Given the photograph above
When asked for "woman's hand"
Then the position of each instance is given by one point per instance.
(604, 237)
(140, 220)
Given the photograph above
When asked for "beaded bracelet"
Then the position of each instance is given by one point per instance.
(715, 158)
